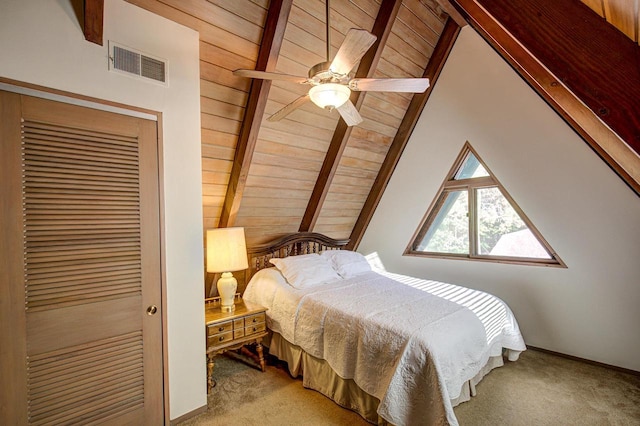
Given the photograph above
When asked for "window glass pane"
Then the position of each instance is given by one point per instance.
(449, 231)
(470, 168)
(501, 231)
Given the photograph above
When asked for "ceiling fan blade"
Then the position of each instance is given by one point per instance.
(264, 75)
(412, 85)
(288, 109)
(349, 114)
(355, 45)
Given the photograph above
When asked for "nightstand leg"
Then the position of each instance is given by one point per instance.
(260, 354)
(210, 382)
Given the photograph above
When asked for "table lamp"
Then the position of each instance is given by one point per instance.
(226, 252)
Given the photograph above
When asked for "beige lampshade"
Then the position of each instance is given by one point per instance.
(226, 250)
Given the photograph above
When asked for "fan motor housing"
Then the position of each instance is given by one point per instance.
(321, 73)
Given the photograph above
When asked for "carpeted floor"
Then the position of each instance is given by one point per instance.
(539, 389)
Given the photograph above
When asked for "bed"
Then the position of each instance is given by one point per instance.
(397, 350)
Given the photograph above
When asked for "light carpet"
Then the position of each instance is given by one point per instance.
(539, 389)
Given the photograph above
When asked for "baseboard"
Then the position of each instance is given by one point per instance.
(188, 415)
(587, 361)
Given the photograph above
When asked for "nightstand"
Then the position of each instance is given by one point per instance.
(233, 330)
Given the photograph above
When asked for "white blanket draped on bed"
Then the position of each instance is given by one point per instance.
(411, 343)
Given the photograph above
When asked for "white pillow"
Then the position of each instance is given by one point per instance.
(347, 263)
(305, 270)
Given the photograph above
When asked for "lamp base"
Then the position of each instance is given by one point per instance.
(227, 285)
(227, 308)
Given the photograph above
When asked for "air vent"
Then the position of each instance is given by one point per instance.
(131, 62)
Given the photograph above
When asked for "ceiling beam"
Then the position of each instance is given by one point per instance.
(273, 35)
(93, 21)
(368, 64)
(453, 12)
(419, 100)
(586, 69)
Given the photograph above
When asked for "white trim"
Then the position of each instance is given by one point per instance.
(75, 101)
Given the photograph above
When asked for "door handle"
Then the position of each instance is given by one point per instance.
(152, 309)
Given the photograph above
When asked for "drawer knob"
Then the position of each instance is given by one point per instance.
(221, 338)
(221, 329)
(255, 320)
(255, 328)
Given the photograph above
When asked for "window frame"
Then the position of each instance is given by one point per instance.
(471, 185)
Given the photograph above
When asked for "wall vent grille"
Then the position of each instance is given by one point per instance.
(126, 60)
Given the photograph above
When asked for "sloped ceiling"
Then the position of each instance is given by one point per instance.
(622, 14)
(275, 182)
(309, 171)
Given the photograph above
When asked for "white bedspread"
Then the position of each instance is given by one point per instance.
(411, 343)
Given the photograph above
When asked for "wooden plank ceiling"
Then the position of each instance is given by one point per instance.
(277, 181)
(309, 171)
(622, 14)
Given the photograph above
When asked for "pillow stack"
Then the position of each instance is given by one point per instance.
(307, 270)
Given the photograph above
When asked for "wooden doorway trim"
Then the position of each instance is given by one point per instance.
(37, 91)
(12, 301)
(19, 87)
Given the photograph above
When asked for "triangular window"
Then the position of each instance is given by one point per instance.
(473, 217)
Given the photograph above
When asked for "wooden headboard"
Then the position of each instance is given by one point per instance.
(287, 245)
(290, 245)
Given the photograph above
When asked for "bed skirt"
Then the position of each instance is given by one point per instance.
(318, 375)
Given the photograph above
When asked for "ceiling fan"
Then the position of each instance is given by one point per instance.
(331, 80)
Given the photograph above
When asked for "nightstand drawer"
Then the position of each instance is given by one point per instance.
(220, 338)
(222, 327)
(254, 328)
(238, 323)
(254, 319)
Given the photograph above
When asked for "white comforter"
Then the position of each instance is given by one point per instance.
(410, 343)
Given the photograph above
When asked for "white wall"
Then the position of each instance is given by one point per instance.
(42, 43)
(588, 215)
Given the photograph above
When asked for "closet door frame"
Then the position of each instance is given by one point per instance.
(13, 325)
(12, 265)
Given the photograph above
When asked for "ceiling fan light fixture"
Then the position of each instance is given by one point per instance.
(329, 95)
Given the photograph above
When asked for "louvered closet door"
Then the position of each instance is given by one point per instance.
(80, 257)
